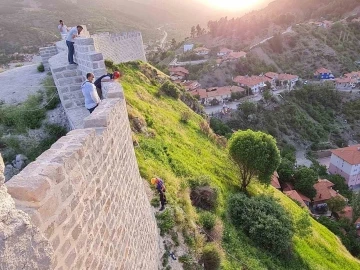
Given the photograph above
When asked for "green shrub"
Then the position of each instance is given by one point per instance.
(165, 221)
(52, 98)
(185, 116)
(207, 220)
(204, 197)
(211, 257)
(55, 131)
(264, 221)
(41, 67)
(109, 64)
(170, 89)
(155, 202)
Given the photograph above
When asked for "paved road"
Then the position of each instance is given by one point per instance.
(163, 40)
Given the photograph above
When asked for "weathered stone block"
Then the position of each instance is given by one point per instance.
(31, 188)
(96, 57)
(49, 208)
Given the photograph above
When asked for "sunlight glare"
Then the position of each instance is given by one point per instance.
(233, 4)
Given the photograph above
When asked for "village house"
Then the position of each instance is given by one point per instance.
(188, 47)
(178, 73)
(345, 83)
(190, 85)
(300, 198)
(255, 83)
(201, 51)
(233, 56)
(323, 74)
(283, 79)
(275, 181)
(206, 96)
(224, 52)
(346, 162)
(324, 192)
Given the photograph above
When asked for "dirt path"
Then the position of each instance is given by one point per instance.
(18, 83)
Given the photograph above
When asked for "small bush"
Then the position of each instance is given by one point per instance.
(41, 67)
(155, 202)
(204, 197)
(211, 257)
(170, 89)
(185, 116)
(207, 220)
(109, 64)
(165, 221)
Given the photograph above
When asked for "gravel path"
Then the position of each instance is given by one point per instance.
(18, 83)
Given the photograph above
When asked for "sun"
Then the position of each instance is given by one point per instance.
(233, 4)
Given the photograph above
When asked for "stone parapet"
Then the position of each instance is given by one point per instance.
(46, 53)
(119, 48)
(86, 195)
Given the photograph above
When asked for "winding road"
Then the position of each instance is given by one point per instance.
(163, 40)
(288, 30)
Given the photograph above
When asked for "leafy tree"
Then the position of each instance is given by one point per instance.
(220, 128)
(305, 179)
(267, 95)
(256, 154)
(286, 170)
(336, 204)
(340, 185)
(193, 32)
(247, 108)
(355, 203)
(198, 30)
(264, 221)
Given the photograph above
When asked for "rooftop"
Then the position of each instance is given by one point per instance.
(349, 154)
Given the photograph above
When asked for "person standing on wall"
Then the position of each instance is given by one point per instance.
(105, 78)
(70, 39)
(63, 29)
(160, 187)
(88, 89)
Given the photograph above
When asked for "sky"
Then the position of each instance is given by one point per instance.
(233, 5)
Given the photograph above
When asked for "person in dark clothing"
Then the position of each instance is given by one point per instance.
(105, 78)
(160, 187)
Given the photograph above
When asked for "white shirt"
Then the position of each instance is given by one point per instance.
(91, 96)
(62, 29)
(70, 34)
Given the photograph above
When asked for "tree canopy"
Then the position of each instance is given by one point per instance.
(256, 154)
(305, 179)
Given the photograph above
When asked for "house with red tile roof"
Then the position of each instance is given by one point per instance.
(285, 80)
(347, 213)
(255, 83)
(297, 196)
(224, 52)
(324, 192)
(178, 73)
(191, 85)
(323, 74)
(275, 181)
(233, 56)
(346, 162)
(218, 93)
(287, 186)
(345, 83)
(201, 51)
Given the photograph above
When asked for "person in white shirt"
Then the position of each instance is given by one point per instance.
(70, 39)
(88, 89)
(63, 29)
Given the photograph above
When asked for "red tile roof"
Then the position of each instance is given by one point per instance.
(354, 74)
(201, 49)
(201, 92)
(287, 186)
(345, 80)
(324, 190)
(217, 91)
(250, 81)
(235, 55)
(347, 212)
(287, 77)
(322, 70)
(271, 75)
(275, 180)
(350, 154)
(191, 85)
(178, 69)
(293, 194)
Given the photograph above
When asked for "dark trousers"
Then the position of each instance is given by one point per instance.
(71, 51)
(99, 91)
(162, 199)
(92, 109)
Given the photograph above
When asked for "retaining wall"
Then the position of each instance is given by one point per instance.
(86, 196)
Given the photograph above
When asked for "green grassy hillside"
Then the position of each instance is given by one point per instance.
(178, 150)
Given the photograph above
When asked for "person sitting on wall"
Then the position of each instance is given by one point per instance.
(70, 40)
(105, 78)
(63, 29)
(88, 89)
(160, 187)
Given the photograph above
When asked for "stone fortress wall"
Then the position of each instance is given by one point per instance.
(120, 48)
(83, 201)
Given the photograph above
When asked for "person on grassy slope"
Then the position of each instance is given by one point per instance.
(160, 187)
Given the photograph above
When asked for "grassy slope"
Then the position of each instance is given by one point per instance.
(178, 151)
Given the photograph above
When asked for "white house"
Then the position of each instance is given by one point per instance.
(346, 162)
(218, 93)
(188, 47)
(201, 51)
(224, 51)
(255, 83)
(178, 73)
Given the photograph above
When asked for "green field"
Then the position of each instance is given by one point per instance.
(178, 151)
